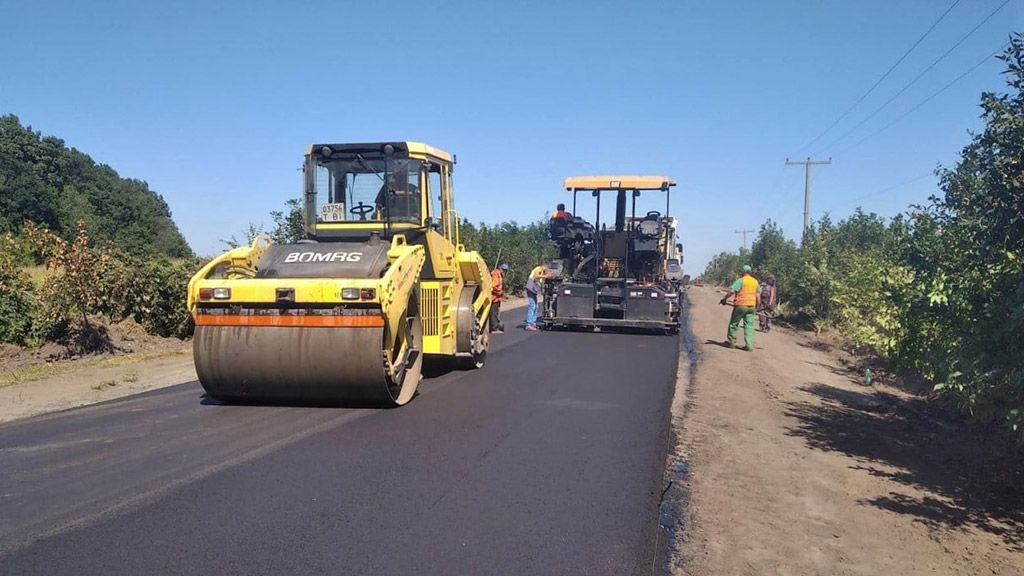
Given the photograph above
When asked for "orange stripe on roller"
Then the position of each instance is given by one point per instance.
(311, 321)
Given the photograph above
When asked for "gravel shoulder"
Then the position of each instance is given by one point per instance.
(796, 467)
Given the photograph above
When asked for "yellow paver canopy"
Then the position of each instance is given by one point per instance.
(619, 183)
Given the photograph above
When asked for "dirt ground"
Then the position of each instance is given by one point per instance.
(72, 383)
(798, 468)
(107, 340)
(59, 376)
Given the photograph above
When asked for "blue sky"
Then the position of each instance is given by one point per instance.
(213, 103)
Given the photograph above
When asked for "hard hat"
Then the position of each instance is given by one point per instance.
(747, 268)
(504, 267)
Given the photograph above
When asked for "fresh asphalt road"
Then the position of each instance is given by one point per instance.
(547, 461)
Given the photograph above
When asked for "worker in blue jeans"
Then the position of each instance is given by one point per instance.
(533, 288)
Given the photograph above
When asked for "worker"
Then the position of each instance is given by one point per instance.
(400, 195)
(561, 214)
(534, 285)
(497, 293)
(746, 298)
(766, 308)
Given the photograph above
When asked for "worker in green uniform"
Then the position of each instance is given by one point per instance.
(746, 298)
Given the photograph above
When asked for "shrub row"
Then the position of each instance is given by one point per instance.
(83, 282)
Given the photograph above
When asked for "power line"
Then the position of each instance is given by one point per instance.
(775, 184)
(883, 77)
(884, 190)
(919, 76)
(926, 100)
(788, 191)
(772, 196)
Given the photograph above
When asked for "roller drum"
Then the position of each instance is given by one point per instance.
(293, 364)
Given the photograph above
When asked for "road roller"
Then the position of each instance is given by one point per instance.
(379, 286)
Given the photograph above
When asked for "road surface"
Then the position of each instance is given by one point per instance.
(548, 461)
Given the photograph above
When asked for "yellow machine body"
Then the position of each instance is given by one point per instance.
(348, 314)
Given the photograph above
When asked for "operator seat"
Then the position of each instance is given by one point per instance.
(557, 228)
(650, 226)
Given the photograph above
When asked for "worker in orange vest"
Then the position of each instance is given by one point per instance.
(561, 214)
(746, 299)
(497, 293)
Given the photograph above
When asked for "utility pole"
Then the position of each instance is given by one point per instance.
(807, 185)
(744, 232)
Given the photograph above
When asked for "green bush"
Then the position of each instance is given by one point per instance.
(86, 282)
(151, 291)
(19, 307)
(160, 308)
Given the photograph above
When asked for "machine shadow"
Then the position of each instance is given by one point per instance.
(439, 369)
(610, 330)
(430, 372)
(974, 476)
(206, 400)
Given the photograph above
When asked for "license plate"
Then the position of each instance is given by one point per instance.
(332, 212)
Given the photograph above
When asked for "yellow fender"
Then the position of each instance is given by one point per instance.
(397, 285)
(241, 263)
(474, 270)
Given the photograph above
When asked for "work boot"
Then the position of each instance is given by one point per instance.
(748, 348)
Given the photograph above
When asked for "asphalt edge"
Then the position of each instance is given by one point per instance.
(672, 509)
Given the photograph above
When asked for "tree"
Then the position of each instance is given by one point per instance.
(967, 253)
(249, 234)
(725, 267)
(44, 181)
(772, 254)
(75, 288)
(18, 303)
(521, 247)
(290, 227)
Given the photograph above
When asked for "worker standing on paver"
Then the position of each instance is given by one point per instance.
(497, 293)
(746, 298)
